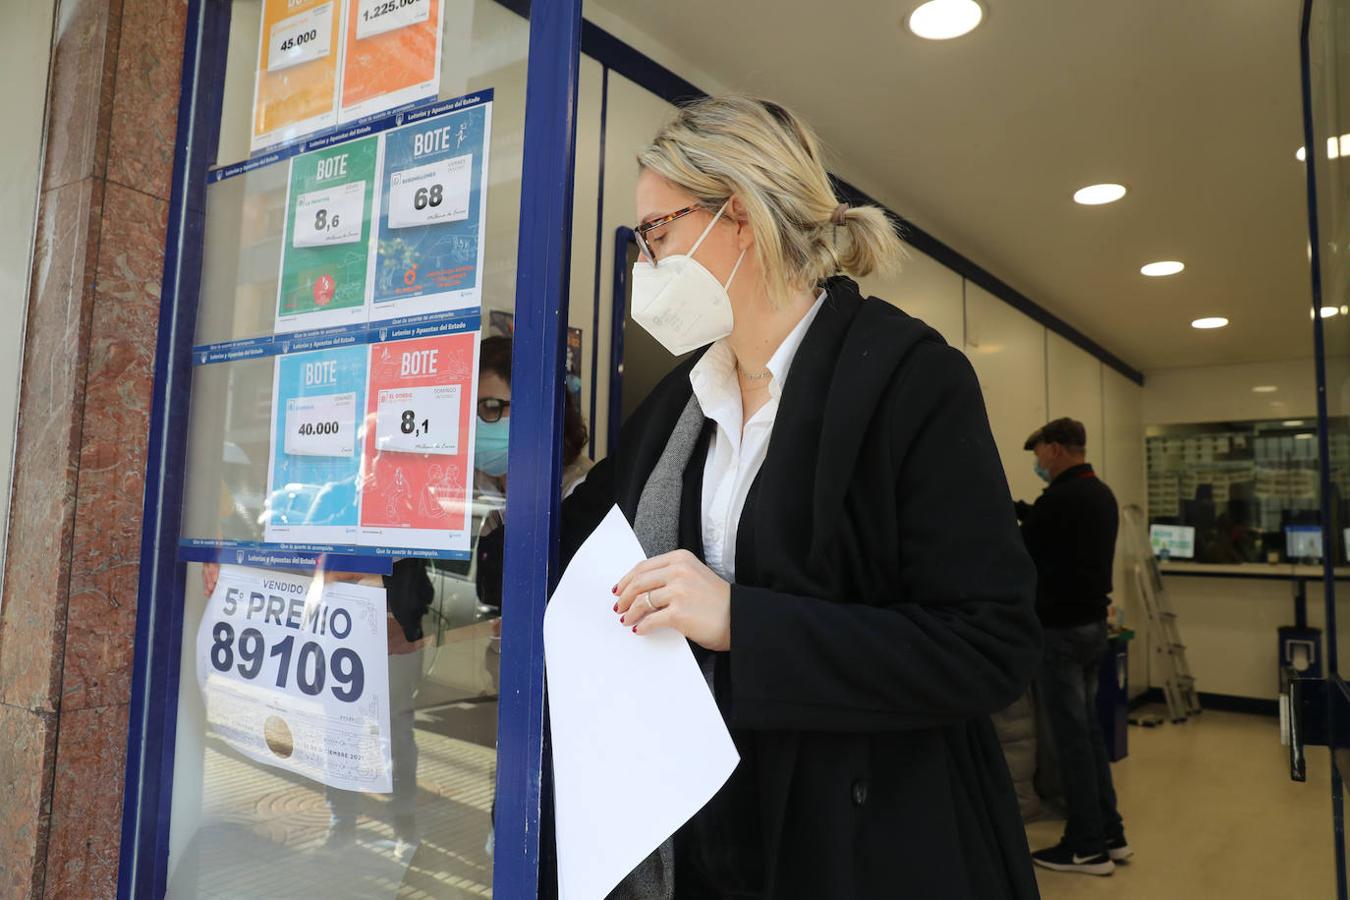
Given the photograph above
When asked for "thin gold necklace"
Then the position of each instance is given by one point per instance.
(759, 376)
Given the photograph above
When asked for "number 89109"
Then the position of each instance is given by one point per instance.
(312, 671)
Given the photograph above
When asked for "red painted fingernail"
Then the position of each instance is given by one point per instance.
(621, 621)
(614, 590)
(616, 607)
(634, 629)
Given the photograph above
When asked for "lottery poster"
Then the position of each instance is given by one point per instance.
(317, 405)
(392, 57)
(325, 256)
(295, 91)
(433, 196)
(294, 673)
(418, 466)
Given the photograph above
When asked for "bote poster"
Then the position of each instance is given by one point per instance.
(418, 466)
(431, 224)
(318, 399)
(325, 257)
(393, 55)
(295, 91)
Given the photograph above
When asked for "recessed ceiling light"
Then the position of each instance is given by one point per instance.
(1097, 194)
(1210, 322)
(1292, 423)
(1161, 268)
(1303, 437)
(1329, 311)
(1264, 389)
(942, 20)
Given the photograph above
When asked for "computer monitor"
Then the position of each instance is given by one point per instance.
(1303, 542)
(1172, 541)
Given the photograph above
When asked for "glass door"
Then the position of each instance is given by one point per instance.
(353, 291)
(1321, 710)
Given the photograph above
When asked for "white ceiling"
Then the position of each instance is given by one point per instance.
(1193, 104)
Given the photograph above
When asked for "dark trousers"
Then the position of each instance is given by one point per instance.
(405, 674)
(1067, 690)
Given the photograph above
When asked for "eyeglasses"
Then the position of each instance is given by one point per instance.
(490, 409)
(641, 231)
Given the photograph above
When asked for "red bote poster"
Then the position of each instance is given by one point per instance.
(393, 55)
(418, 468)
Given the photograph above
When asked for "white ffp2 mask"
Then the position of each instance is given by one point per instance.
(681, 303)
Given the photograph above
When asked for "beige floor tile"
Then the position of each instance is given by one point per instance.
(1211, 812)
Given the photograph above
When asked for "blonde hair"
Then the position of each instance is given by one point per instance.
(762, 154)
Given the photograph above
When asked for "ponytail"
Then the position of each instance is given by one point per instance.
(868, 242)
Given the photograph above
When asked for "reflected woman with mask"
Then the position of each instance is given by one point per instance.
(491, 444)
(494, 417)
(494, 424)
(828, 523)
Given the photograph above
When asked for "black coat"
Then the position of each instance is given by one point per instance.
(888, 610)
(1070, 533)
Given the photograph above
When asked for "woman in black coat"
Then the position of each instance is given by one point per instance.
(829, 524)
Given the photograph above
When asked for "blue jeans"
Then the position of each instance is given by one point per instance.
(1067, 690)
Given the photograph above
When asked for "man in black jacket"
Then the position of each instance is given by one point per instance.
(1071, 535)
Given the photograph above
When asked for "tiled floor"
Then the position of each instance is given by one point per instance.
(1211, 812)
(1208, 807)
(262, 831)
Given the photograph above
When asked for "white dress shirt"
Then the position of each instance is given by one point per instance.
(735, 454)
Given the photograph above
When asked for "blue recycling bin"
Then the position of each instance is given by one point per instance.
(1113, 694)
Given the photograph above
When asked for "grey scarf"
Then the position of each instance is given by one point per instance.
(657, 525)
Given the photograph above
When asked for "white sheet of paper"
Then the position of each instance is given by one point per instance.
(639, 745)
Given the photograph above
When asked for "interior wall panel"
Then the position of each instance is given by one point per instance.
(1007, 350)
(925, 289)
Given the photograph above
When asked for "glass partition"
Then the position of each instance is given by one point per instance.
(345, 453)
(1327, 107)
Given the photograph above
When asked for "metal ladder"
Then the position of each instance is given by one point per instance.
(1164, 636)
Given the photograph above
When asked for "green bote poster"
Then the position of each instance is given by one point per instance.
(325, 255)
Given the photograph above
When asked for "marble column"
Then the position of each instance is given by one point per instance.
(69, 607)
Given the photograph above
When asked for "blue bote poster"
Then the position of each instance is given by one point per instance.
(434, 180)
(317, 426)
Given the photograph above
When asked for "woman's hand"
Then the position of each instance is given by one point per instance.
(677, 591)
(210, 575)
